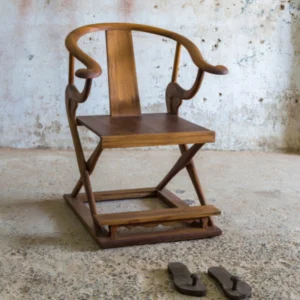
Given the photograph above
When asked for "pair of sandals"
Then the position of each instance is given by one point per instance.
(190, 284)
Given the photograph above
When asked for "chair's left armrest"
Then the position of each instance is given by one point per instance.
(93, 69)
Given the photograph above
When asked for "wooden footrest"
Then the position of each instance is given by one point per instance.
(156, 216)
(110, 240)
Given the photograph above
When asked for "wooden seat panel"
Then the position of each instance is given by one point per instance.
(159, 215)
(146, 130)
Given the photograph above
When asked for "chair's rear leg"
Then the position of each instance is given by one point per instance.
(194, 178)
(90, 166)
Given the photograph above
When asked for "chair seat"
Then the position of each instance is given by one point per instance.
(146, 130)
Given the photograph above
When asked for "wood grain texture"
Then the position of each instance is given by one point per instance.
(158, 215)
(123, 88)
(145, 130)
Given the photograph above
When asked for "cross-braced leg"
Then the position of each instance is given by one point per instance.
(90, 166)
(194, 177)
(181, 163)
(71, 106)
(85, 176)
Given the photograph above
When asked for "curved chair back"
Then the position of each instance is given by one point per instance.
(123, 86)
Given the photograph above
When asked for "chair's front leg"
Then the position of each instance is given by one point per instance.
(85, 176)
(71, 106)
(191, 169)
(90, 165)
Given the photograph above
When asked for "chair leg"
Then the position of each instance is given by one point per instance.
(194, 176)
(85, 176)
(90, 166)
(181, 163)
(190, 167)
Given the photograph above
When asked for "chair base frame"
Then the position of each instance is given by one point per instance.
(104, 238)
(200, 222)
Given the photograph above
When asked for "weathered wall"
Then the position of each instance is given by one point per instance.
(256, 107)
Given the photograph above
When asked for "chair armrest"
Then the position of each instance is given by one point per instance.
(93, 69)
(217, 70)
(199, 61)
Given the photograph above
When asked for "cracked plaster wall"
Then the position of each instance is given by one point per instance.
(255, 107)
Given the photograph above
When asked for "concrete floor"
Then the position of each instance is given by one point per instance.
(47, 254)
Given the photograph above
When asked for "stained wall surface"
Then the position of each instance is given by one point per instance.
(255, 107)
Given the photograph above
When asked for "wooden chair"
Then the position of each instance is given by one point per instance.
(127, 127)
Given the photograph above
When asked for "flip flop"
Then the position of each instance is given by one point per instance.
(185, 282)
(233, 287)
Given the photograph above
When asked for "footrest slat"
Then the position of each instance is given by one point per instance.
(121, 194)
(161, 215)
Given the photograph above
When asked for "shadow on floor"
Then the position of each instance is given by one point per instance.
(46, 222)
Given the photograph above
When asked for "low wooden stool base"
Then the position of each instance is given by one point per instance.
(196, 218)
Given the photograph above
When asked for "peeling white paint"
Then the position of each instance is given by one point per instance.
(255, 107)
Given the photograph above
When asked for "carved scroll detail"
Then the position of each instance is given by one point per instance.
(175, 93)
(74, 97)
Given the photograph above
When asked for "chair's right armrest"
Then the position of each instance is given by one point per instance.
(200, 62)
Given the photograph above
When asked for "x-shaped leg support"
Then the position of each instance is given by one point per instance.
(181, 163)
(90, 166)
(194, 176)
(186, 161)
